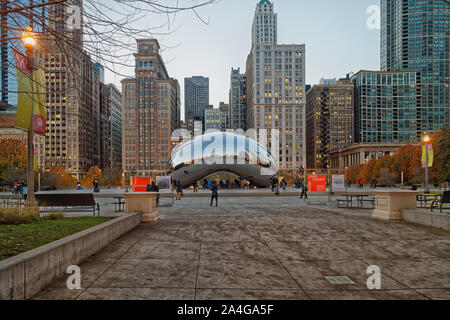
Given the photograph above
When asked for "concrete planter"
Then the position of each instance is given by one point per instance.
(145, 203)
(25, 275)
(389, 204)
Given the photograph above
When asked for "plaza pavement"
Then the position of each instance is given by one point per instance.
(265, 248)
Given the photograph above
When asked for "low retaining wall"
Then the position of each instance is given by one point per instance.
(436, 220)
(25, 275)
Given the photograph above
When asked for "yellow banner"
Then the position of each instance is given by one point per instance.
(24, 103)
(31, 97)
(427, 152)
(430, 155)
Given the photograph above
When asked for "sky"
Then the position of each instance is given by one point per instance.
(335, 33)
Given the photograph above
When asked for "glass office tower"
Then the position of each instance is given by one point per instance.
(386, 107)
(415, 37)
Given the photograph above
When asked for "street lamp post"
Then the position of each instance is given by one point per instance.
(30, 43)
(426, 139)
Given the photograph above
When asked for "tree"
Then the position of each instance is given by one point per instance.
(353, 174)
(110, 177)
(13, 153)
(94, 173)
(442, 154)
(407, 160)
(57, 177)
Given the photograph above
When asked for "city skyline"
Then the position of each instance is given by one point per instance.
(353, 44)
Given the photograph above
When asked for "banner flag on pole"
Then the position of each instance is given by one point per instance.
(30, 90)
(25, 96)
(430, 155)
(428, 149)
(39, 112)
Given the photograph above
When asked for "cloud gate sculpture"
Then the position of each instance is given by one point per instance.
(222, 152)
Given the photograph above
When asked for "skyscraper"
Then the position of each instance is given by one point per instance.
(329, 121)
(115, 97)
(150, 113)
(237, 100)
(72, 140)
(386, 107)
(415, 37)
(225, 116)
(275, 93)
(196, 99)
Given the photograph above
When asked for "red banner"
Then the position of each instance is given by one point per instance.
(317, 183)
(21, 62)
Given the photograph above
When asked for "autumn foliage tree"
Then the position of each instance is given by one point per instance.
(57, 177)
(94, 173)
(13, 153)
(442, 155)
(13, 161)
(407, 160)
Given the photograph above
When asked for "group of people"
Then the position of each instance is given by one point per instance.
(20, 188)
(153, 188)
(274, 184)
(223, 184)
(213, 186)
(94, 185)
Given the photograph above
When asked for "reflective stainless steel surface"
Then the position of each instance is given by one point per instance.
(222, 151)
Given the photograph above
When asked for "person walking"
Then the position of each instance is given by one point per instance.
(79, 187)
(16, 187)
(283, 184)
(195, 186)
(214, 193)
(304, 189)
(179, 190)
(96, 188)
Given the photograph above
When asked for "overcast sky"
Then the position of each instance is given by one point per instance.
(335, 33)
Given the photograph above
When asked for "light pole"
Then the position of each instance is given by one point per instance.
(426, 139)
(29, 40)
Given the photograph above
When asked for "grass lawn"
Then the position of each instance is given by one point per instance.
(16, 239)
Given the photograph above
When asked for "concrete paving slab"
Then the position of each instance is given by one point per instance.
(265, 248)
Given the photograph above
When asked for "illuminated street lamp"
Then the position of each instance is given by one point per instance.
(30, 42)
(426, 139)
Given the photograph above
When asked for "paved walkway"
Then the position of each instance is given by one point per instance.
(264, 248)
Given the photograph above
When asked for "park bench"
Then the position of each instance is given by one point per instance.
(443, 203)
(426, 199)
(84, 201)
(11, 200)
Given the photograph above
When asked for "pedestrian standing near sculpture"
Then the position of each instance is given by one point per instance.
(179, 190)
(195, 186)
(214, 192)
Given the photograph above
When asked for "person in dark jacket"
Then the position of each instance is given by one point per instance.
(195, 186)
(179, 190)
(96, 188)
(155, 188)
(214, 192)
(304, 188)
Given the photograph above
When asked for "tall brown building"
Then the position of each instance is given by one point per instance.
(150, 113)
(72, 140)
(329, 121)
